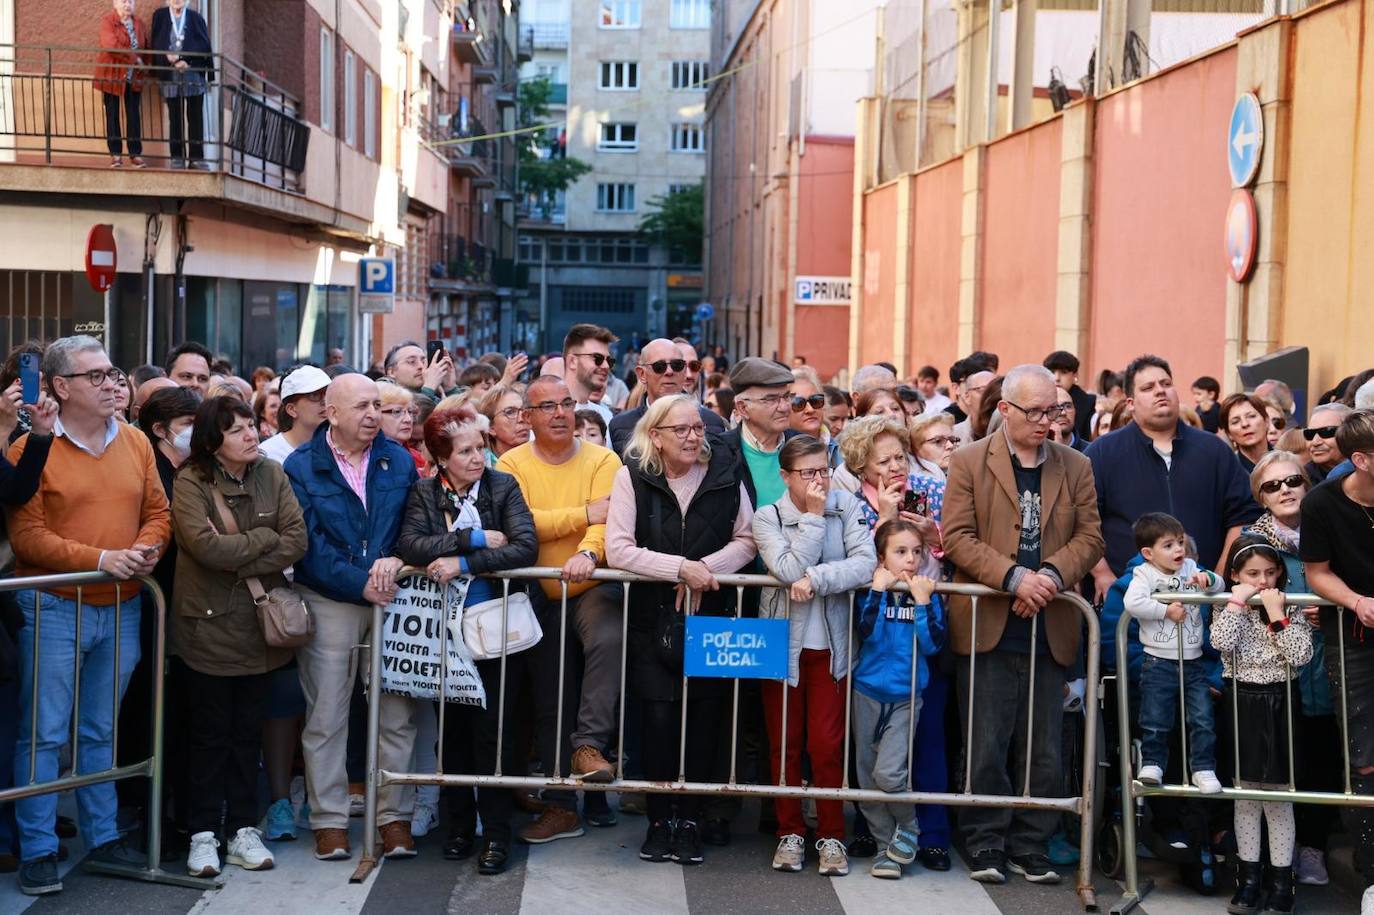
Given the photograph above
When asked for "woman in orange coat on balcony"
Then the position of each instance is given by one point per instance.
(120, 74)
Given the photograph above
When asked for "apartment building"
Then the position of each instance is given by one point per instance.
(636, 76)
(321, 148)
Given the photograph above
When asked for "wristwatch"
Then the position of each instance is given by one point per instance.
(1279, 625)
(591, 554)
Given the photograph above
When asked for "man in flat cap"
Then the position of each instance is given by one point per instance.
(763, 406)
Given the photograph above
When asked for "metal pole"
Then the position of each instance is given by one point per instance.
(624, 662)
(972, 664)
(1030, 700)
(501, 700)
(374, 733)
(562, 673)
(1087, 822)
(994, 84)
(1132, 890)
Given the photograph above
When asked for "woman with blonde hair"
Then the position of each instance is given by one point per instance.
(507, 427)
(398, 420)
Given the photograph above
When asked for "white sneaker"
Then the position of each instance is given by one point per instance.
(423, 821)
(247, 851)
(203, 859)
(1206, 781)
(790, 854)
(1367, 902)
(1312, 867)
(1150, 775)
(834, 858)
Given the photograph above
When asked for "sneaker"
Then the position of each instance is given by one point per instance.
(1035, 868)
(1312, 867)
(203, 859)
(834, 859)
(554, 823)
(280, 823)
(332, 844)
(863, 847)
(596, 810)
(423, 820)
(1061, 851)
(117, 854)
(885, 868)
(396, 840)
(989, 866)
(904, 845)
(791, 853)
(1367, 901)
(687, 843)
(39, 877)
(658, 843)
(247, 851)
(357, 799)
(1151, 775)
(1206, 781)
(589, 765)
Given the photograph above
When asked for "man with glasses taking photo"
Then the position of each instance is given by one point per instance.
(567, 484)
(664, 370)
(587, 362)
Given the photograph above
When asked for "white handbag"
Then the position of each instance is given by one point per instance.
(482, 632)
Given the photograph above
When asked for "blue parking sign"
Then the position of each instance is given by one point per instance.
(750, 649)
(376, 285)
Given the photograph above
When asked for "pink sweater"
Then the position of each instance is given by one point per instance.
(623, 552)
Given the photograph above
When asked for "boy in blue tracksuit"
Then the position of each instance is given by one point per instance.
(898, 631)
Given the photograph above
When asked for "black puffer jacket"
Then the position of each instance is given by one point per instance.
(425, 535)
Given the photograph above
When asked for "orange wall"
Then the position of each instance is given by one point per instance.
(1159, 198)
(823, 337)
(879, 275)
(933, 319)
(824, 220)
(1021, 245)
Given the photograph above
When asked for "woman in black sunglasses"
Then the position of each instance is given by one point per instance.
(1279, 484)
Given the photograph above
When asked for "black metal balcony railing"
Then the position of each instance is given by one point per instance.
(455, 258)
(51, 113)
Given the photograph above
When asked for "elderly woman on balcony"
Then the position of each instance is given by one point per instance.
(185, 71)
(120, 74)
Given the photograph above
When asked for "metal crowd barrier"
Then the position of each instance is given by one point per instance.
(1135, 889)
(1081, 804)
(150, 768)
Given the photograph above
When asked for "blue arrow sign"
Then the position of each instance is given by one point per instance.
(705, 311)
(1245, 140)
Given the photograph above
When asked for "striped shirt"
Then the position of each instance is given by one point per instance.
(355, 477)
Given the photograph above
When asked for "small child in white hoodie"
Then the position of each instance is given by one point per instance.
(1164, 545)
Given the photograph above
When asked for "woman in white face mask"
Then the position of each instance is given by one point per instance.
(166, 419)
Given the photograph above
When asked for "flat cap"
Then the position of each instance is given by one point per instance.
(756, 372)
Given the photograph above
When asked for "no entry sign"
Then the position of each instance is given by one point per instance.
(101, 257)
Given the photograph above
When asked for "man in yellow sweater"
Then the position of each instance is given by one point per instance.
(567, 484)
(100, 506)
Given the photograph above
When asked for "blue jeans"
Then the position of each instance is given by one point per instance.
(1159, 713)
(58, 660)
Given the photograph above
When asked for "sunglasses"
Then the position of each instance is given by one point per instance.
(1278, 422)
(1269, 487)
(815, 401)
(1323, 431)
(663, 365)
(598, 359)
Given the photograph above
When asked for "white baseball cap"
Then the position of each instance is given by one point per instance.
(305, 380)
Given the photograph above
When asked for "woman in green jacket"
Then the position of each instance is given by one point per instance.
(226, 663)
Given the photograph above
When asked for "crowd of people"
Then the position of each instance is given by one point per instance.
(859, 499)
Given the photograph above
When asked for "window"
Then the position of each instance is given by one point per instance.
(679, 188)
(619, 137)
(622, 75)
(615, 198)
(621, 14)
(691, 74)
(599, 299)
(369, 113)
(327, 80)
(350, 113)
(690, 14)
(688, 138)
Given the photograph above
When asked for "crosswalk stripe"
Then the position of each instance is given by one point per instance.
(918, 890)
(601, 871)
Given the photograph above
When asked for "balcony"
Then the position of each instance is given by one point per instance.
(551, 36)
(459, 265)
(468, 43)
(486, 74)
(524, 46)
(53, 139)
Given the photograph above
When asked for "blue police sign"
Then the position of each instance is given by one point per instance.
(376, 285)
(1245, 140)
(705, 311)
(728, 647)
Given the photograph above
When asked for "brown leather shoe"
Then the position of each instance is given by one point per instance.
(396, 840)
(332, 844)
(553, 823)
(589, 765)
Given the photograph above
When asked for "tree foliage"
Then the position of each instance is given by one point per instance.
(678, 220)
(544, 169)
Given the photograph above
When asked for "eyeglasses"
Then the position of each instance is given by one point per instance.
(97, 376)
(1040, 414)
(942, 440)
(400, 411)
(660, 366)
(685, 430)
(598, 359)
(508, 413)
(313, 396)
(550, 407)
(815, 401)
(1269, 487)
(771, 401)
(1323, 431)
(810, 473)
(694, 366)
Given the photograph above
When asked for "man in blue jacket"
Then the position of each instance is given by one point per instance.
(352, 484)
(1159, 464)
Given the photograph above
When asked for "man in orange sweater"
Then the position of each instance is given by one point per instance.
(100, 506)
